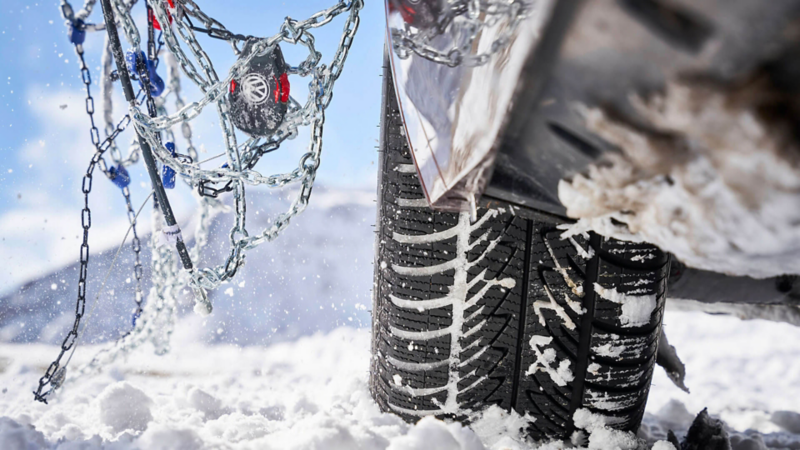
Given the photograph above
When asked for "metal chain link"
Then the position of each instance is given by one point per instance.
(86, 77)
(55, 374)
(122, 13)
(312, 114)
(113, 151)
(466, 20)
(213, 28)
(157, 316)
(136, 246)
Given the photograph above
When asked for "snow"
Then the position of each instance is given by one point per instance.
(589, 421)
(724, 199)
(601, 437)
(636, 309)
(788, 420)
(284, 374)
(17, 436)
(124, 407)
(432, 433)
(499, 428)
(741, 370)
(663, 445)
(545, 360)
(313, 394)
(609, 439)
(611, 351)
(286, 282)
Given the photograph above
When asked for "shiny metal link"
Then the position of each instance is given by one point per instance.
(465, 23)
(122, 13)
(159, 314)
(154, 319)
(88, 6)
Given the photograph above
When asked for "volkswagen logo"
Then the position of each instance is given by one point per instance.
(255, 88)
(259, 98)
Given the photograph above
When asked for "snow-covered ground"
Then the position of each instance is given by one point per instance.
(313, 394)
(280, 372)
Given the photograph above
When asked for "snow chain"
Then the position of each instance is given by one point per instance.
(153, 320)
(460, 23)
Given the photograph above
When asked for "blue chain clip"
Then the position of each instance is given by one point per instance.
(133, 59)
(77, 32)
(167, 172)
(119, 176)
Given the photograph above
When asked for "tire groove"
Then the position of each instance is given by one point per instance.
(522, 315)
(550, 397)
(584, 349)
(623, 331)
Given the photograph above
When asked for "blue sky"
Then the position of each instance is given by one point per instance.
(45, 144)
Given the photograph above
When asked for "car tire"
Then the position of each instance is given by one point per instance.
(503, 311)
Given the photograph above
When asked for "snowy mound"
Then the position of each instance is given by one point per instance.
(313, 394)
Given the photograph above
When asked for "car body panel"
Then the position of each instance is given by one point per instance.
(454, 115)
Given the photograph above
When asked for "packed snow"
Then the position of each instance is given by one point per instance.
(723, 198)
(636, 309)
(313, 393)
(546, 360)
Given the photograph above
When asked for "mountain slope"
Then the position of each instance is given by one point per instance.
(319, 268)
